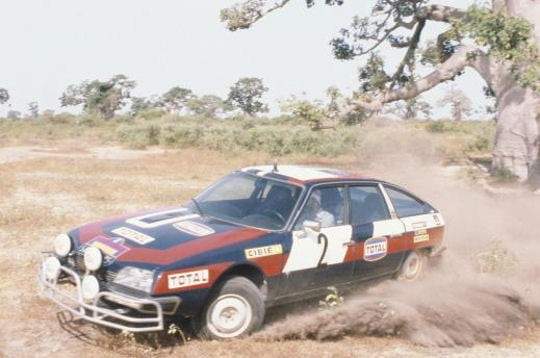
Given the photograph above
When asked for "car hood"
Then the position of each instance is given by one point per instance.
(160, 237)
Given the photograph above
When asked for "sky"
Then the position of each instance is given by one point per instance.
(50, 44)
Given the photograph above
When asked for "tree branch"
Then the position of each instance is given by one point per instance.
(440, 13)
(413, 45)
(243, 15)
(463, 57)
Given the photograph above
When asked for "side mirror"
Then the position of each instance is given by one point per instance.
(312, 225)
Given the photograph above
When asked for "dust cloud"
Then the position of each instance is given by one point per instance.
(485, 289)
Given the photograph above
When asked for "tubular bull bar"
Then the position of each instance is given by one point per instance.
(92, 311)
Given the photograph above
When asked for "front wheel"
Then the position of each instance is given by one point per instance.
(413, 267)
(236, 310)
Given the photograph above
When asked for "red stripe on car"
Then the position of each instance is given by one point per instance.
(191, 248)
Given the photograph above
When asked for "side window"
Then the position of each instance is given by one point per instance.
(407, 205)
(367, 205)
(326, 206)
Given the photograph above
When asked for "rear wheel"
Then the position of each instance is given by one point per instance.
(235, 310)
(413, 267)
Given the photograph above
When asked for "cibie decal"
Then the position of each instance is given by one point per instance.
(420, 236)
(375, 248)
(111, 247)
(194, 228)
(186, 279)
(132, 235)
(263, 251)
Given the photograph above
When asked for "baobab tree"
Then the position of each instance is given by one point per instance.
(500, 41)
(460, 105)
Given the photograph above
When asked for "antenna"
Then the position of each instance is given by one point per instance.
(275, 169)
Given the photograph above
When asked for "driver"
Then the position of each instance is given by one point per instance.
(279, 201)
(314, 211)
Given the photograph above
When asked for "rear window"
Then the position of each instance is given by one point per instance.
(407, 205)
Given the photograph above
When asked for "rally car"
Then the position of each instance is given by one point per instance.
(259, 237)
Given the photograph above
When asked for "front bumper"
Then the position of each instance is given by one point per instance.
(126, 317)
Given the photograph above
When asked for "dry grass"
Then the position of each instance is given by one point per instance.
(64, 187)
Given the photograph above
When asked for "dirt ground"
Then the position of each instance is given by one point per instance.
(48, 190)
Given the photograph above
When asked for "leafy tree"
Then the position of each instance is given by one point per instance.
(103, 98)
(334, 106)
(33, 109)
(4, 95)
(460, 105)
(176, 99)
(499, 41)
(312, 113)
(141, 104)
(246, 94)
(207, 105)
(412, 108)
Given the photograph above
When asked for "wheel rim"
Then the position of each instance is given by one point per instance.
(413, 267)
(229, 316)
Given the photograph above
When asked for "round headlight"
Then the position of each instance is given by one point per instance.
(89, 287)
(93, 258)
(51, 268)
(62, 245)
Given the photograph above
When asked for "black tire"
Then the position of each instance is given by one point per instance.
(231, 297)
(413, 267)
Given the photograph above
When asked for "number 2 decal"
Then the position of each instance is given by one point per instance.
(310, 250)
(322, 237)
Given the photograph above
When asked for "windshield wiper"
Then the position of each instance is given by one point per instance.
(197, 206)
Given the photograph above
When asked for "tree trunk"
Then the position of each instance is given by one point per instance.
(516, 140)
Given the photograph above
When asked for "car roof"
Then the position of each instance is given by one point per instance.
(300, 174)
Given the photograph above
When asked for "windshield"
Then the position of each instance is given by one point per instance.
(249, 200)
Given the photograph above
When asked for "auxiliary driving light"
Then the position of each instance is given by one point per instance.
(51, 268)
(62, 245)
(93, 258)
(89, 287)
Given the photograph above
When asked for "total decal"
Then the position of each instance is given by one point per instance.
(375, 248)
(188, 279)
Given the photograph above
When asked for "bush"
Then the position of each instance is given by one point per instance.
(139, 137)
(480, 144)
(236, 136)
(504, 175)
(436, 127)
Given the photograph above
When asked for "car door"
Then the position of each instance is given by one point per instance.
(317, 255)
(377, 236)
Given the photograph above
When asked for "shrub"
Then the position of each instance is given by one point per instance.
(436, 127)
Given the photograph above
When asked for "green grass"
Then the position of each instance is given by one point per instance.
(276, 136)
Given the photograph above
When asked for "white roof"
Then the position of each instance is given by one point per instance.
(295, 171)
